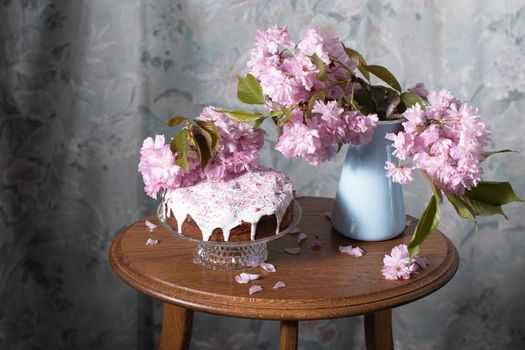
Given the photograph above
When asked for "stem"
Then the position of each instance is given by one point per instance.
(352, 97)
(342, 65)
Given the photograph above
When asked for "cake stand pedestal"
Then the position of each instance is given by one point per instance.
(231, 256)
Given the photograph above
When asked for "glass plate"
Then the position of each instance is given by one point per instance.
(231, 256)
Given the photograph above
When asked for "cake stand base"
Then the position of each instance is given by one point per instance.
(232, 257)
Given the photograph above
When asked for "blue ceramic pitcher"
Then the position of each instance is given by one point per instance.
(368, 205)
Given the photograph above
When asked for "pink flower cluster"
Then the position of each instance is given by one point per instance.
(288, 78)
(239, 146)
(396, 265)
(158, 169)
(330, 125)
(238, 152)
(286, 72)
(444, 140)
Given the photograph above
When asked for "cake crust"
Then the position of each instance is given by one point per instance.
(266, 227)
(244, 208)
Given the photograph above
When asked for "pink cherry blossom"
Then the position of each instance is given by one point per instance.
(322, 44)
(158, 169)
(300, 140)
(289, 78)
(399, 173)
(360, 128)
(419, 89)
(239, 146)
(396, 265)
(445, 140)
(350, 250)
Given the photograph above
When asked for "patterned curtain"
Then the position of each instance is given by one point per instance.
(83, 82)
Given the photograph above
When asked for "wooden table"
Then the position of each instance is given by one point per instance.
(320, 283)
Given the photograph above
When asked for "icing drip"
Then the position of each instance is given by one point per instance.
(226, 204)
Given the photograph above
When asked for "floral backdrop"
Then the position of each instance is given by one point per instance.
(83, 82)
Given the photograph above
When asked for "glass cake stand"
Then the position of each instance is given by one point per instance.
(231, 256)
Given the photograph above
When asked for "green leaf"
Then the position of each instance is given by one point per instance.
(493, 193)
(249, 90)
(483, 209)
(359, 61)
(321, 75)
(385, 75)
(462, 208)
(318, 96)
(365, 102)
(409, 99)
(176, 120)
(258, 123)
(179, 146)
(197, 129)
(203, 149)
(488, 154)
(241, 116)
(211, 128)
(381, 96)
(429, 222)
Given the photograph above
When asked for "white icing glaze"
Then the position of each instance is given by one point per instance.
(228, 203)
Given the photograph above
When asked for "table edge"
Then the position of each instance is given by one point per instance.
(322, 308)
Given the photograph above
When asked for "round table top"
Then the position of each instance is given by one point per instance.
(320, 283)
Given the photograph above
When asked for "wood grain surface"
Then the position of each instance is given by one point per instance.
(378, 330)
(177, 324)
(320, 283)
(289, 334)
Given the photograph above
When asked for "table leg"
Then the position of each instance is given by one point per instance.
(176, 328)
(378, 330)
(289, 333)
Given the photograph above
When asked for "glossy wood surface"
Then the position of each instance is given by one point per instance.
(320, 283)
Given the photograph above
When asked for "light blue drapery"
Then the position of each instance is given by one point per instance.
(83, 82)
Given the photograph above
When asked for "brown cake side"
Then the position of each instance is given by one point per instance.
(265, 227)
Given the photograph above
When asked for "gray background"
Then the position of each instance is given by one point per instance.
(83, 82)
